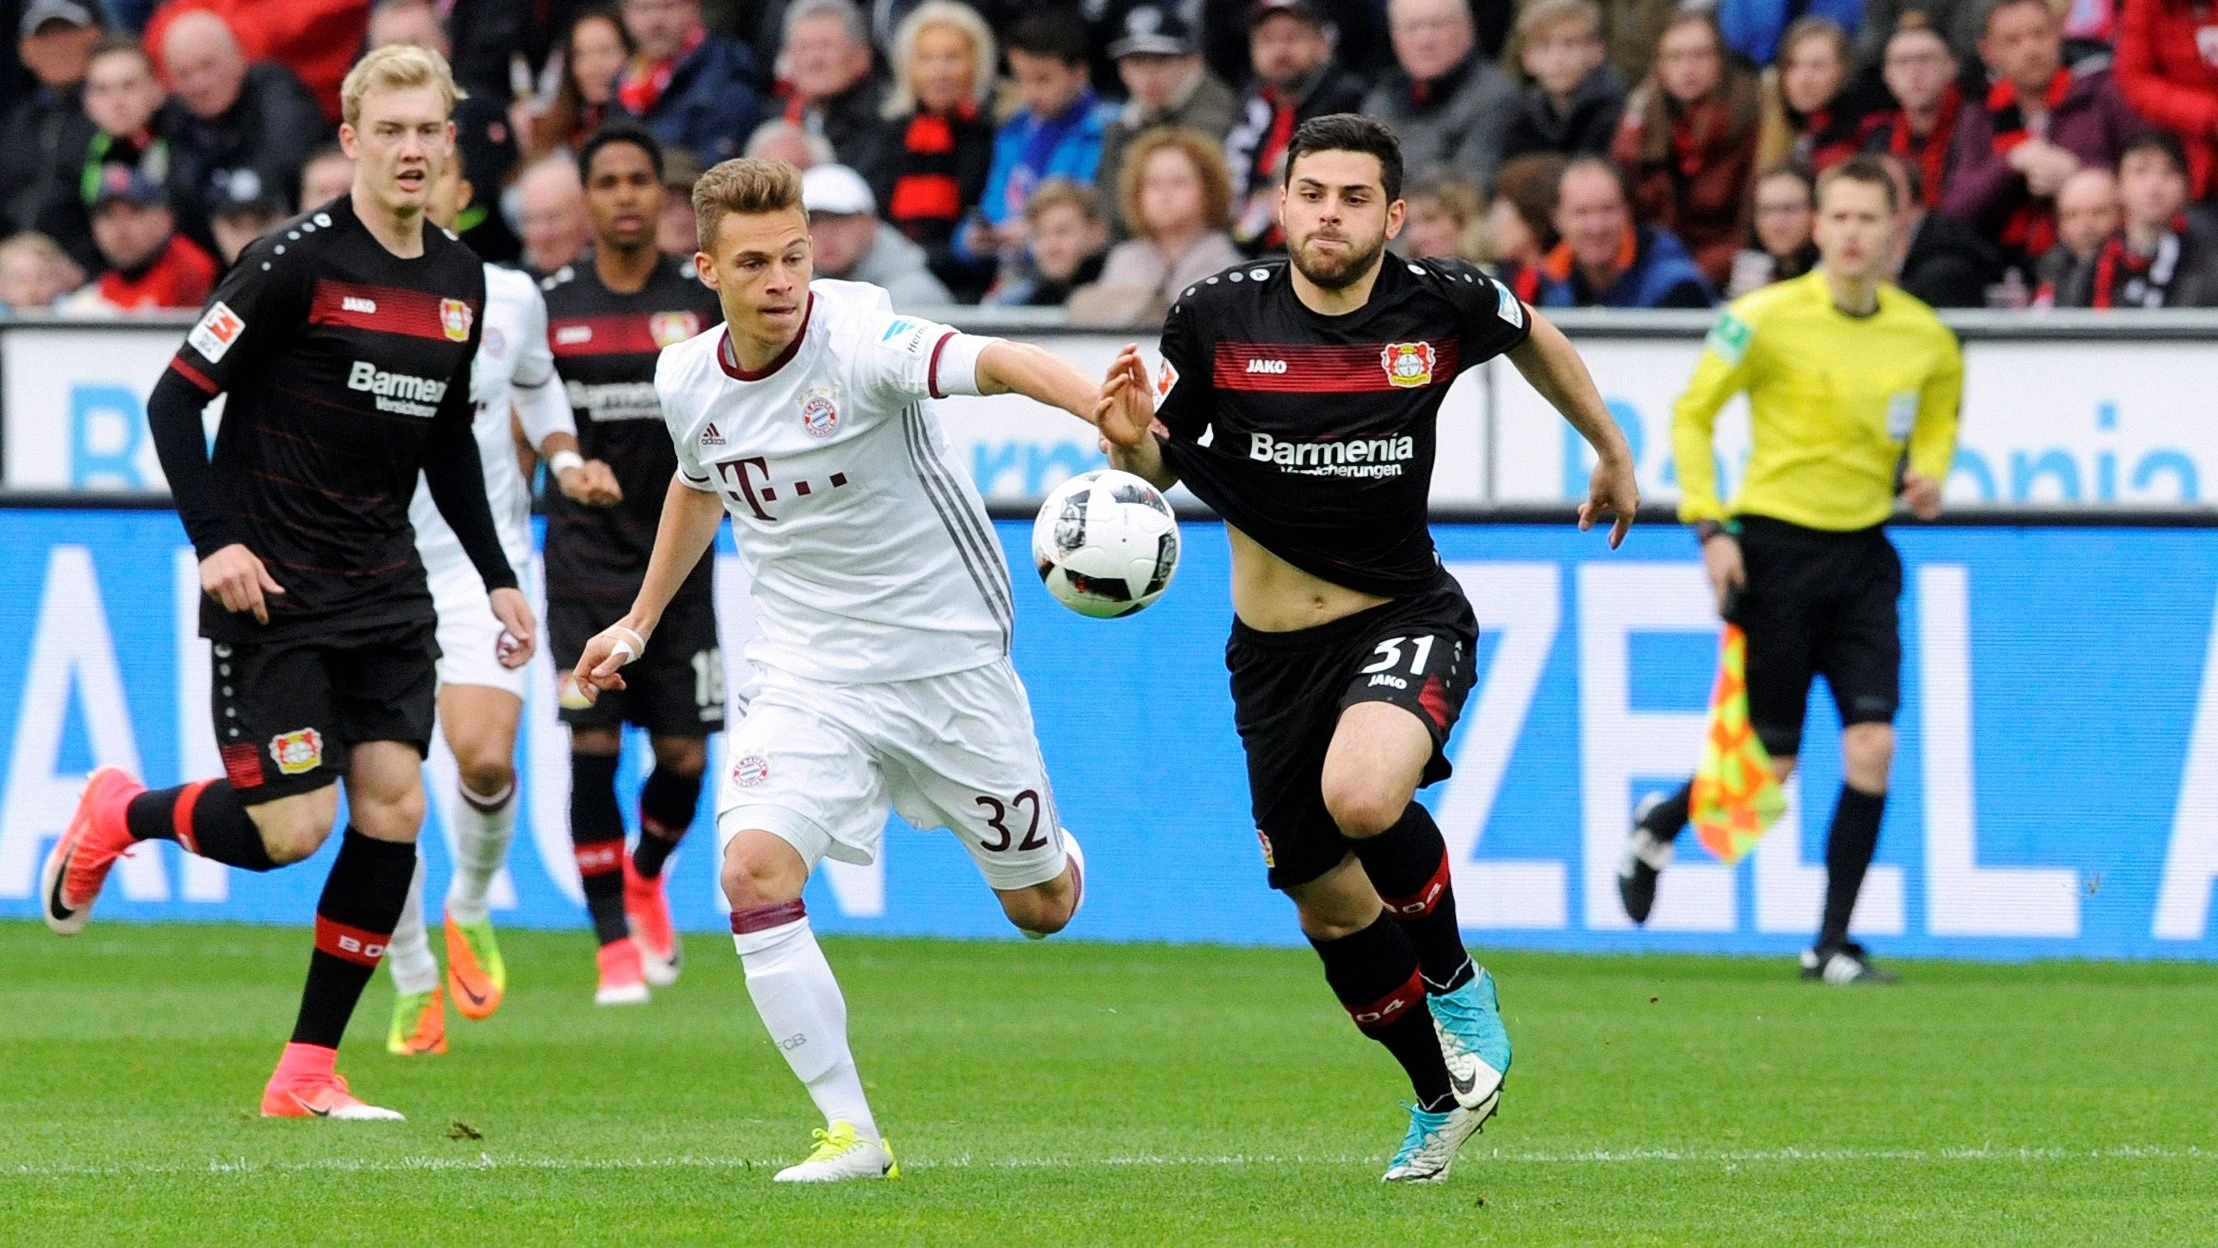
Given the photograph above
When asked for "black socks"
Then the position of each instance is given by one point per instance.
(204, 818)
(1669, 818)
(362, 900)
(1408, 865)
(1849, 847)
(597, 838)
(1374, 973)
(666, 805)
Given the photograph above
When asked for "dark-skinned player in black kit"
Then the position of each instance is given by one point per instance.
(343, 340)
(1318, 378)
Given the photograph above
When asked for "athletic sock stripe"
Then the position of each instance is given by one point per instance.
(937, 491)
(1391, 1008)
(354, 944)
(487, 804)
(181, 816)
(763, 918)
(599, 857)
(1420, 903)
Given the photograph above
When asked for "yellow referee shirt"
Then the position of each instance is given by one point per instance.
(1833, 399)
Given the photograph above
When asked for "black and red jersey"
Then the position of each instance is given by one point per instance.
(1321, 428)
(605, 346)
(346, 370)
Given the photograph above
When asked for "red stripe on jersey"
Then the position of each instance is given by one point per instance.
(380, 309)
(1299, 367)
(193, 375)
(354, 944)
(628, 334)
(242, 765)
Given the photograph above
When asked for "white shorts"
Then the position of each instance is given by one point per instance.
(469, 634)
(819, 765)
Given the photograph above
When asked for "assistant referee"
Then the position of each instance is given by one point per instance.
(1844, 372)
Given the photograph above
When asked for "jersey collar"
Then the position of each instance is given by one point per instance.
(728, 360)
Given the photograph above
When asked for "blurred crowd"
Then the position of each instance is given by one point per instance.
(1617, 153)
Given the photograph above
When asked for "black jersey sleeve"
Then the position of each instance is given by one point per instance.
(1495, 320)
(455, 474)
(1183, 393)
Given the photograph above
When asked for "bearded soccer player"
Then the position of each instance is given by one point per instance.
(343, 340)
(480, 698)
(1319, 378)
(1845, 376)
(608, 315)
(881, 672)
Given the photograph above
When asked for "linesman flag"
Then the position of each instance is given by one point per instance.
(1736, 799)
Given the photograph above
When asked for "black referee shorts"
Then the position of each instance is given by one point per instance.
(287, 711)
(1288, 690)
(676, 689)
(1818, 603)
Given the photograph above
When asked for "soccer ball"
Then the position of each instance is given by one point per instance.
(1106, 543)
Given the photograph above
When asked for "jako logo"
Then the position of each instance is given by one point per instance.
(1266, 366)
(356, 303)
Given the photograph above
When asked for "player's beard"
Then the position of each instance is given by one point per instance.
(1330, 275)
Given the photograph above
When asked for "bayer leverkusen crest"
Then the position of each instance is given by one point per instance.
(671, 328)
(1407, 364)
(454, 318)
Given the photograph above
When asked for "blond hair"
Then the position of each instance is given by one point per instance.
(1542, 15)
(963, 20)
(1209, 166)
(396, 67)
(747, 185)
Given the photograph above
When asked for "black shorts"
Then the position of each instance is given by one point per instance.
(1818, 604)
(1288, 690)
(676, 689)
(288, 711)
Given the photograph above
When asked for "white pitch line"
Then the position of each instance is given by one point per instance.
(1638, 1156)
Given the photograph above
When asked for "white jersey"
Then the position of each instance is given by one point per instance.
(513, 359)
(869, 553)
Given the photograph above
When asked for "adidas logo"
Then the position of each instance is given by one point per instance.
(710, 436)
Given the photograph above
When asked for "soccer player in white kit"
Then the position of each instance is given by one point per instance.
(480, 700)
(881, 661)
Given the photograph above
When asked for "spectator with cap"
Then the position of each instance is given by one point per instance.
(1290, 53)
(1780, 243)
(239, 222)
(593, 51)
(1958, 22)
(2155, 261)
(1521, 220)
(247, 129)
(1575, 98)
(934, 150)
(1937, 258)
(1450, 105)
(832, 88)
(1687, 144)
(149, 264)
(1069, 243)
(1178, 206)
(1057, 134)
(2167, 69)
(328, 174)
(1606, 259)
(1921, 74)
(54, 40)
(1159, 59)
(2041, 120)
(694, 88)
(1357, 29)
(779, 139)
(2087, 214)
(128, 123)
(551, 214)
(34, 273)
(481, 129)
(853, 245)
(1811, 116)
(677, 231)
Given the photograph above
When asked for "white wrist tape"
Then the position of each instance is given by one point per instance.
(563, 461)
(630, 645)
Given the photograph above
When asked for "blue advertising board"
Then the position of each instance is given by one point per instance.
(2055, 787)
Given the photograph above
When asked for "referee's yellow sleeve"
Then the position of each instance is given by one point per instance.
(1721, 373)
(1933, 440)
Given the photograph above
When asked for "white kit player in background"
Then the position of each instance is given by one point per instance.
(881, 674)
(480, 700)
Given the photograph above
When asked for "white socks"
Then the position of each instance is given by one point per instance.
(408, 954)
(801, 1005)
(483, 827)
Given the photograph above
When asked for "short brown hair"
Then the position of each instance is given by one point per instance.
(1062, 192)
(1209, 165)
(747, 185)
(1864, 168)
(1540, 15)
(396, 67)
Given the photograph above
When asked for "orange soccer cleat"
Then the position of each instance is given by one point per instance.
(647, 911)
(476, 973)
(80, 861)
(306, 1086)
(622, 982)
(419, 1024)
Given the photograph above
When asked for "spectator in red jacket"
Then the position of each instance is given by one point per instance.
(150, 265)
(2038, 125)
(1920, 72)
(2167, 68)
(1688, 143)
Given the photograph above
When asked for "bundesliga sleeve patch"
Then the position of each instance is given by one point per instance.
(1166, 380)
(1729, 338)
(219, 327)
(1508, 306)
(913, 343)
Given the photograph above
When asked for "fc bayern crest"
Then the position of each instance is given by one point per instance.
(750, 771)
(819, 414)
(1407, 364)
(671, 328)
(454, 318)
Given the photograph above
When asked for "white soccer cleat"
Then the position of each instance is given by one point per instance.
(1429, 1150)
(841, 1155)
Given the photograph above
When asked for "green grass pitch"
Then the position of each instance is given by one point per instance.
(1073, 1093)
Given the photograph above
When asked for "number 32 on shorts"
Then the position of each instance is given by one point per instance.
(1025, 805)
